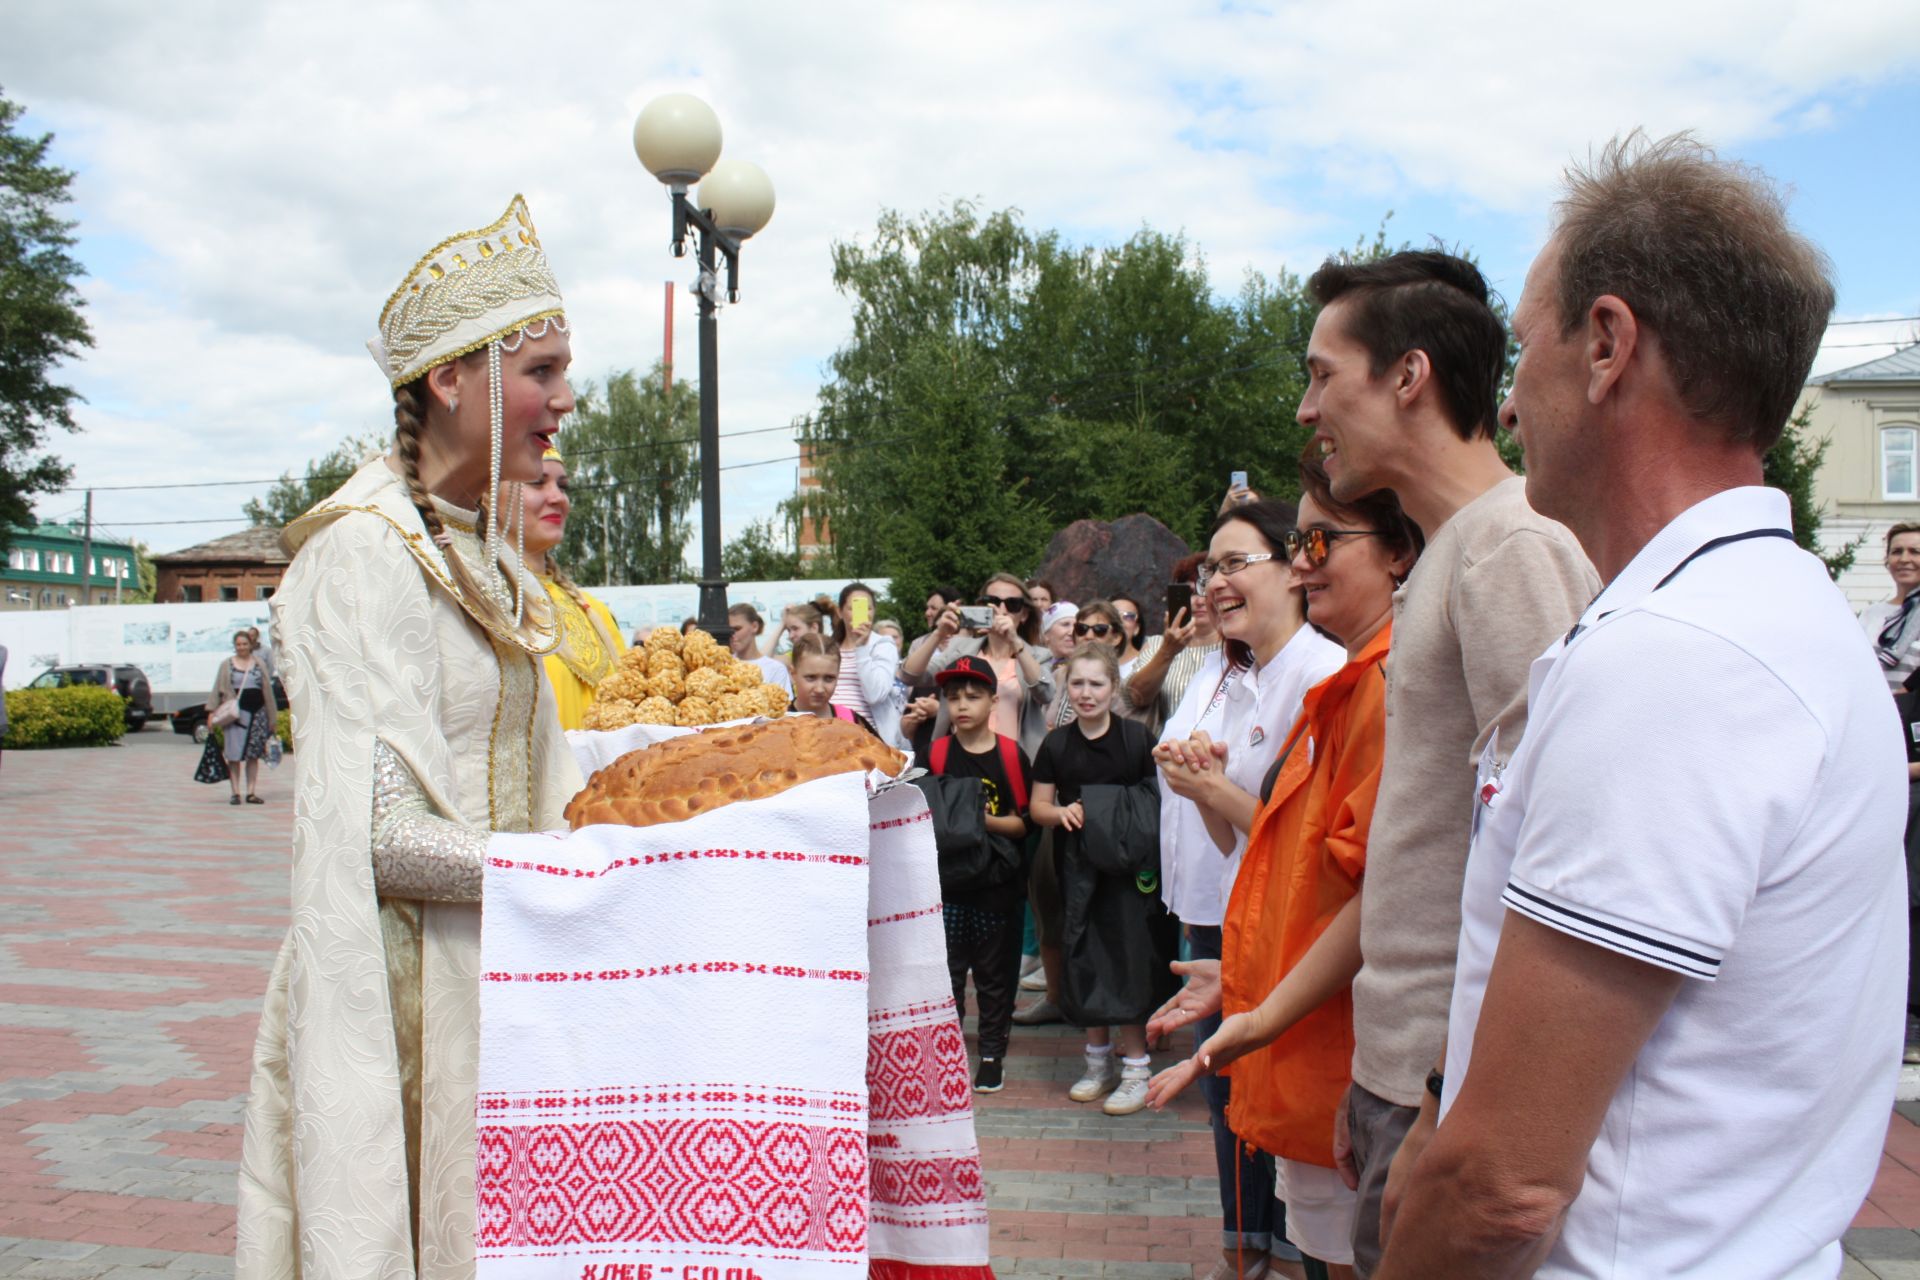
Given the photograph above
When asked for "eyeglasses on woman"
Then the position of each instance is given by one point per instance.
(1227, 566)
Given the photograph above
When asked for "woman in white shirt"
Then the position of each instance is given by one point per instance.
(1273, 657)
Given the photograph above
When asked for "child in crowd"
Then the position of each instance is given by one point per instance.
(816, 669)
(1094, 781)
(982, 866)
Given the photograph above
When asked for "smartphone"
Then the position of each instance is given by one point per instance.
(860, 612)
(1238, 480)
(976, 616)
(1179, 596)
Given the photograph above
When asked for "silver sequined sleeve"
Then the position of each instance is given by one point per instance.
(416, 852)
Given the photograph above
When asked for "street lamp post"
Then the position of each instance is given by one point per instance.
(677, 138)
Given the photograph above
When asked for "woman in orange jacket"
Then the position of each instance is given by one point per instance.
(1291, 943)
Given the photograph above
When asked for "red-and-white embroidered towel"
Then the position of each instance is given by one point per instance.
(672, 1046)
(928, 1216)
(680, 1026)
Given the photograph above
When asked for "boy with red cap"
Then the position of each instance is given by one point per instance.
(980, 829)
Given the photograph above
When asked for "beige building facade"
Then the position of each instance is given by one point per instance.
(1869, 415)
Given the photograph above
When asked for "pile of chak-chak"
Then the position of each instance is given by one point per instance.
(687, 681)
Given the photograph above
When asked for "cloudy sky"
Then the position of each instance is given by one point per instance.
(253, 179)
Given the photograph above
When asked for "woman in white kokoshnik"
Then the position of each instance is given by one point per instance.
(411, 641)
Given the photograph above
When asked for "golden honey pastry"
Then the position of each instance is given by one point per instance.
(690, 681)
(680, 778)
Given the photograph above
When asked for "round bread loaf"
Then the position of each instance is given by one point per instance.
(701, 772)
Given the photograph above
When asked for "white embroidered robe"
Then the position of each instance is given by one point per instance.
(358, 1161)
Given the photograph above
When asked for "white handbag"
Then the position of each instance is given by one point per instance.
(226, 713)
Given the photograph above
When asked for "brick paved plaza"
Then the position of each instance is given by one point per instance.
(140, 914)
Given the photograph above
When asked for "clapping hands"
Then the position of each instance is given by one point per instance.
(1193, 765)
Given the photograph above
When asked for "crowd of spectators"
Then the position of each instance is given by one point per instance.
(1523, 855)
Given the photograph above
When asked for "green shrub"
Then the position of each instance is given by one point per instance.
(84, 716)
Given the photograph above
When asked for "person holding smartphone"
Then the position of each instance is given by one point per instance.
(867, 662)
(1006, 635)
(1182, 649)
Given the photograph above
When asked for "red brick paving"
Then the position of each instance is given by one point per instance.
(109, 850)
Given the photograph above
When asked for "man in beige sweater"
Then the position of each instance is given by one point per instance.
(1405, 361)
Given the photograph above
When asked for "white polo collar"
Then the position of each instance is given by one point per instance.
(1726, 514)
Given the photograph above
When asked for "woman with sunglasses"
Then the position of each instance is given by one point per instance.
(1292, 932)
(1130, 625)
(1135, 649)
(1098, 622)
(1009, 643)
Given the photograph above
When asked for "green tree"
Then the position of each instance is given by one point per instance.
(760, 554)
(1791, 466)
(145, 574)
(291, 495)
(631, 455)
(40, 319)
(1001, 383)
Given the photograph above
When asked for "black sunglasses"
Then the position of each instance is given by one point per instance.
(1012, 604)
(1101, 629)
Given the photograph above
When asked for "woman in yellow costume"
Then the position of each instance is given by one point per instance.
(410, 639)
(589, 637)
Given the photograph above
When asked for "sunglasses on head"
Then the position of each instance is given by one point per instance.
(1101, 629)
(1318, 543)
(1012, 604)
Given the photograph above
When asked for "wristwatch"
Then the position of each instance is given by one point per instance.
(1435, 1082)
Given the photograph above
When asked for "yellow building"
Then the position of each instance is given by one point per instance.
(1870, 416)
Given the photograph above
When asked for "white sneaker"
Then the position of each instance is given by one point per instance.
(1034, 981)
(1132, 1093)
(1101, 1075)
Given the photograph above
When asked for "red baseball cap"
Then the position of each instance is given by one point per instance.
(969, 667)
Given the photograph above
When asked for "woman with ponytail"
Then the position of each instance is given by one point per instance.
(411, 639)
(590, 640)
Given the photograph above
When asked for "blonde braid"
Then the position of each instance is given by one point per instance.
(408, 427)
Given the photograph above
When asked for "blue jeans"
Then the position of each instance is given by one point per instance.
(1251, 1219)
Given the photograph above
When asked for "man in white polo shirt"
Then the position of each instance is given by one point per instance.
(1677, 1012)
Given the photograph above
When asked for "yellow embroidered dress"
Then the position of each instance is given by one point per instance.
(420, 731)
(590, 644)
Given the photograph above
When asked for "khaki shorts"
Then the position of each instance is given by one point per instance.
(1378, 1128)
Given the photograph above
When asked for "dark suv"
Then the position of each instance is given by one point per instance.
(129, 682)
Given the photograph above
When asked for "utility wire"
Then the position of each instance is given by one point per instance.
(342, 475)
(1129, 382)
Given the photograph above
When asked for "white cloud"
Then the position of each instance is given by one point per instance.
(282, 164)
